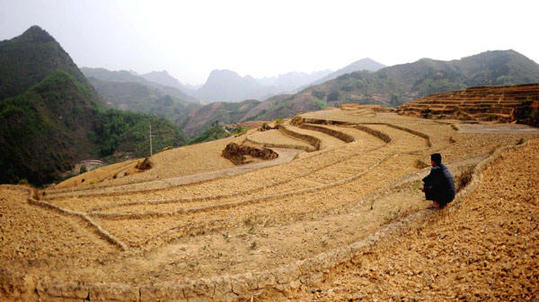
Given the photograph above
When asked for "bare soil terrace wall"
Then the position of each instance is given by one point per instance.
(340, 135)
(313, 141)
(284, 279)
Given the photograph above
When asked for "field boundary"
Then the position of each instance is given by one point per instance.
(302, 120)
(273, 145)
(281, 280)
(373, 132)
(119, 215)
(337, 134)
(249, 191)
(311, 140)
(99, 230)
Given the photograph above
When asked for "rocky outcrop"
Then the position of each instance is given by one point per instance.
(519, 103)
(236, 153)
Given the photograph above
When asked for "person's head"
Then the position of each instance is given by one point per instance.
(435, 159)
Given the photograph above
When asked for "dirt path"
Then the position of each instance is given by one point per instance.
(496, 128)
(285, 156)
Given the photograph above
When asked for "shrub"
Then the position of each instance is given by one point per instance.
(333, 96)
(318, 94)
(83, 169)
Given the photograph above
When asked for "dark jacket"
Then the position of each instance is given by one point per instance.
(439, 185)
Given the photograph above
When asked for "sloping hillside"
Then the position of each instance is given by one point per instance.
(482, 249)
(395, 85)
(365, 64)
(141, 98)
(346, 190)
(103, 77)
(29, 58)
(203, 117)
(40, 135)
(165, 79)
(59, 120)
(518, 103)
(228, 86)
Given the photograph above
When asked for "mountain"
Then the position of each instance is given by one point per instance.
(29, 58)
(51, 117)
(125, 90)
(395, 85)
(365, 64)
(204, 117)
(165, 79)
(123, 76)
(228, 86)
(390, 86)
(141, 98)
(290, 82)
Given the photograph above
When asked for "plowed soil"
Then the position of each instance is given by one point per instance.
(170, 226)
(485, 248)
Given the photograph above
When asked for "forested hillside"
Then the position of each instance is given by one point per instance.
(51, 117)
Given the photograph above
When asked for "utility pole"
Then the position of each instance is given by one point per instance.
(151, 151)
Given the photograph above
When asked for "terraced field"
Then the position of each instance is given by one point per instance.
(344, 178)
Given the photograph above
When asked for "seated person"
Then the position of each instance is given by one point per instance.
(439, 185)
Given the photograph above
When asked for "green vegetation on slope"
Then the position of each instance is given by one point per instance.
(142, 98)
(57, 122)
(123, 131)
(29, 58)
(51, 117)
(212, 133)
(216, 131)
(203, 117)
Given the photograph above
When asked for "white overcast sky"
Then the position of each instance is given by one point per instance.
(265, 38)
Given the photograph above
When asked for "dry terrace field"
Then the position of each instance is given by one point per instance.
(196, 226)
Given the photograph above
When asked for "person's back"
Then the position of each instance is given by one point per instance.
(439, 185)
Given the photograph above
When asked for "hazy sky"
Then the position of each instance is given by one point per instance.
(265, 38)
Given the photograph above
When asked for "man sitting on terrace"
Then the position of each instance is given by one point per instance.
(439, 185)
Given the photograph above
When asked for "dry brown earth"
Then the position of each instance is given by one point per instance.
(518, 103)
(484, 248)
(268, 230)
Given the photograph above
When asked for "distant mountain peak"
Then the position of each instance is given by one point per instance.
(367, 64)
(364, 64)
(163, 77)
(27, 59)
(36, 34)
(225, 72)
